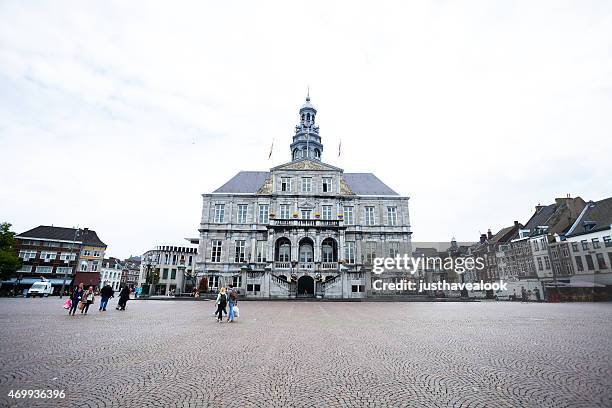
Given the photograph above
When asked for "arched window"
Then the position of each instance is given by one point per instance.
(329, 250)
(306, 252)
(283, 250)
(317, 153)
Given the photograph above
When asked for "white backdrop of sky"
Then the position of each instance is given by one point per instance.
(118, 115)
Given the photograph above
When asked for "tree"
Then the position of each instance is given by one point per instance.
(9, 261)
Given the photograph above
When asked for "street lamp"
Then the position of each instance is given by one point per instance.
(181, 267)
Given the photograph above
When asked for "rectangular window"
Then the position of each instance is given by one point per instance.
(607, 241)
(535, 246)
(540, 264)
(326, 212)
(585, 245)
(242, 213)
(305, 214)
(44, 269)
(215, 255)
(237, 281)
(601, 261)
(86, 252)
(306, 184)
(579, 264)
(370, 252)
(393, 249)
(67, 256)
(595, 243)
(84, 266)
(547, 262)
(285, 184)
(574, 246)
(262, 249)
(173, 274)
(327, 184)
(27, 269)
(369, 215)
(190, 260)
(219, 213)
(213, 282)
(48, 256)
(392, 215)
(253, 287)
(350, 252)
(263, 213)
(63, 270)
(240, 256)
(589, 260)
(165, 273)
(348, 215)
(96, 254)
(284, 211)
(94, 266)
(357, 288)
(27, 255)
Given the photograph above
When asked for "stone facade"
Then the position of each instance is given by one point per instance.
(304, 228)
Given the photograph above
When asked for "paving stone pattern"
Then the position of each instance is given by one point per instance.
(307, 354)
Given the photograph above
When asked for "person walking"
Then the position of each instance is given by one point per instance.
(87, 299)
(221, 303)
(124, 296)
(233, 301)
(75, 298)
(106, 293)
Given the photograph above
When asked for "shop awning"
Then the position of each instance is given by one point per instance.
(30, 281)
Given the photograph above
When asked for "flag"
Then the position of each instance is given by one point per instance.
(339, 148)
(271, 147)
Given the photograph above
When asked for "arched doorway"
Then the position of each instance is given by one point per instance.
(305, 286)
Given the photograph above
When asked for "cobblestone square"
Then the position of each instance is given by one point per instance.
(304, 354)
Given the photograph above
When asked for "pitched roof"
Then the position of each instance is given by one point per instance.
(86, 236)
(367, 184)
(540, 217)
(595, 217)
(244, 182)
(249, 182)
(505, 234)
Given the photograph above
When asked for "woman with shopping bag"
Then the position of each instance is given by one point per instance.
(75, 299)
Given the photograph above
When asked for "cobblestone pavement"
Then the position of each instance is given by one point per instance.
(303, 354)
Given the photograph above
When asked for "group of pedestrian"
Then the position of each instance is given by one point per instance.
(227, 297)
(81, 299)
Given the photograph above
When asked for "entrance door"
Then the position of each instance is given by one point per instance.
(305, 286)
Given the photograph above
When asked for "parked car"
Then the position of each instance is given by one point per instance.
(41, 289)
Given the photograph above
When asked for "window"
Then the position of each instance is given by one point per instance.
(357, 288)
(610, 256)
(165, 273)
(63, 270)
(585, 244)
(547, 262)
(305, 214)
(48, 256)
(393, 248)
(26, 269)
(44, 269)
(240, 251)
(219, 213)
(174, 259)
(540, 264)
(370, 251)
(262, 249)
(263, 213)
(27, 255)
(601, 261)
(284, 252)
(392, 215)
(67, 256)
(285, 184)
(535, 246)
(574, 246)
(607, 241)
(253, 287)
(237, 281)
(94, 266)
(326, 212)
(350, 252)
(242, 213)
(96, 254)
(327, 252)
(369, 215)
(327, 184)
(216, 251)
(213, 281)
(306, 184)
(348, 215)
(173, 274)
(284, 211)
(579, 264)
(596, 243)
(84, 266)
(189, 262)
(86, 252)
(589, 260)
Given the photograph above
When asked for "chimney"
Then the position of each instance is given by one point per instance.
(483, 238)
(489, 234)
(538, 207)
(516, 224)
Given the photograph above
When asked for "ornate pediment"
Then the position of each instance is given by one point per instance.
(305, 164)
(306, 204)
(266, 187)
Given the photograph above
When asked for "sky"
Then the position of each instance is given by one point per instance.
(118, 115)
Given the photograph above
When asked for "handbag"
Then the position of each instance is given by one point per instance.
(236, 311)
(67, 304)
(81, 306)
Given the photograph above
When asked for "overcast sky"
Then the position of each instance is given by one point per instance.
(118, 115)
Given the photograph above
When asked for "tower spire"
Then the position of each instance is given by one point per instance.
(306, 140)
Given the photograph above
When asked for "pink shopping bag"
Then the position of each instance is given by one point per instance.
(67, 304)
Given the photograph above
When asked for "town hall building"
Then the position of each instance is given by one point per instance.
(303, 229)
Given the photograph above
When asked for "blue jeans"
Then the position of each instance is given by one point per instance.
(230, 317)
(103, 303)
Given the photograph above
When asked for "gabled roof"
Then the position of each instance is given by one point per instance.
(505, 234)
(86, 236)
(244, 182)
(367, 184)
(596, 216)
(540, 217)
(306, 164)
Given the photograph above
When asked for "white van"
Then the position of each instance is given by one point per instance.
(41, 289)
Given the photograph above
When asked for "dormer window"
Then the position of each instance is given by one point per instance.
(285, 184)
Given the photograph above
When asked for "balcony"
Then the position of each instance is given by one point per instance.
(282, 265)
(329, 265)
(309, 266)
(299, 222)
